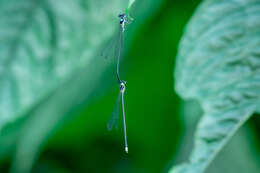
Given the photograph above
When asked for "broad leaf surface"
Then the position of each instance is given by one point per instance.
(49, 66)
(219, 65)
(43, 43)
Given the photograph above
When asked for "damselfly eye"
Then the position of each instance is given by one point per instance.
(122, 86)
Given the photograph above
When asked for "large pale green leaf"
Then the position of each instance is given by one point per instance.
(43, 43)
(219, 65)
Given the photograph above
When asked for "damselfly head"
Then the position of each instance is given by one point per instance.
(122, 86)
(122, 18)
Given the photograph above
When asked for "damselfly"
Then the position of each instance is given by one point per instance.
(124, 20)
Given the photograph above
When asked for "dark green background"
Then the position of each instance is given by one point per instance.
(152, 106)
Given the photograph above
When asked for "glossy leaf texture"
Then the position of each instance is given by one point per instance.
(218, 64)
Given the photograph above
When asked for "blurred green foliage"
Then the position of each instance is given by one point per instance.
(218, 65)
(158, 122)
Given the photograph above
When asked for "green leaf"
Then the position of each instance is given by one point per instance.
(219, 65)
(49, 67)
(241, 150)
(43, 45)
